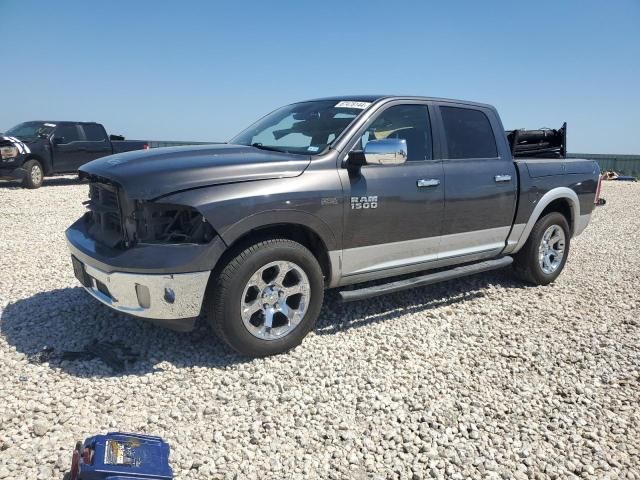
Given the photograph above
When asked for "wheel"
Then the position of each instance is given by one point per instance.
(35, 174)
(266, 298)
(545, 253)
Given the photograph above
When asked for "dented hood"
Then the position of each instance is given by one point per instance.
(149, 174)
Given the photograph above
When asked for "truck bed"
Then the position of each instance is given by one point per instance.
(543, 167)
(120, 146)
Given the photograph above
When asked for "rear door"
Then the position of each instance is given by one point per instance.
(393, 213)
(96, 142)
(480, 183)
(69, 151)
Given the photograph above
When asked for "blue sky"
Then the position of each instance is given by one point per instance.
(205, 70)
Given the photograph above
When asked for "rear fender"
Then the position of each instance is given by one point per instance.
(520, 234)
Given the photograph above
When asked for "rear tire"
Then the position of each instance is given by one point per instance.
(34, 176)
(266, 298)
(545, 253)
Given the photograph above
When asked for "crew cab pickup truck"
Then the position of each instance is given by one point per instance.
(329, 193)
(32, 150)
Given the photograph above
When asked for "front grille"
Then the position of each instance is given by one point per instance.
(105, 215)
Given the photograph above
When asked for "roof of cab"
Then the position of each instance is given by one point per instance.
(375, 98)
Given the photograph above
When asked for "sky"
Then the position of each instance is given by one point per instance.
(202, 71)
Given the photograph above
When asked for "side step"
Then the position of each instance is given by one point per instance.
(428, 279)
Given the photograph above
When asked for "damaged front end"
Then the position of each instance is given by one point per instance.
(119, 222)
(144, 258)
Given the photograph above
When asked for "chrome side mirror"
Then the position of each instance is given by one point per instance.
(387, 151)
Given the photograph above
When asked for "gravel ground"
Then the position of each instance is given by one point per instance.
(477, 378)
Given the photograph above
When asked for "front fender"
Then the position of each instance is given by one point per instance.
(281, 217)
(313, 200)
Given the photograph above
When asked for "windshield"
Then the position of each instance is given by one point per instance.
(31, 129)
(307, 127)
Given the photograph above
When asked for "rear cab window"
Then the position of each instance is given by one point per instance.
(468, 133)
(93, 132)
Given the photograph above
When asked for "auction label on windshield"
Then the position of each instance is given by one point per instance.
(352, 104)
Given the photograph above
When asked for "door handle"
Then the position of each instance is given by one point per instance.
(503, 178)
(430, 182)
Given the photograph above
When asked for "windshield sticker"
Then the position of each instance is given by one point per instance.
(351, 104)
(49, 124)
(313, 149)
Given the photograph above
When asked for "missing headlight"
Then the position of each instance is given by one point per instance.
(165, 223)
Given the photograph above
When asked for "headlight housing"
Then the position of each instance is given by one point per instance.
(9, 152)
(167, 223)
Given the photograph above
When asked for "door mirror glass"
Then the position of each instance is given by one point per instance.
(387, 151)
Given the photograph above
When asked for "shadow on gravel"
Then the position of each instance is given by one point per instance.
(69, 319)
(48, 182)
(339, 316)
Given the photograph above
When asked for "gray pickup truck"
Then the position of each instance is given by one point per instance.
(369, 194)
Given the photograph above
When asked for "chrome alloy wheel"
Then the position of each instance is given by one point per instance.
(551, 249)
(275, 300)
(36, 174)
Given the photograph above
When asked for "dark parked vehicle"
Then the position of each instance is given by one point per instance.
(32, 150)
(330, 193)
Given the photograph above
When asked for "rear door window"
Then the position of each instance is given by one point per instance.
(468, 133)
(93, 132)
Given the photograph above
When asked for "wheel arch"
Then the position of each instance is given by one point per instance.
(301, 227)
(46, 166)
(562, 200)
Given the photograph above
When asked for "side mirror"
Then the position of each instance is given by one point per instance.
(388, 151)
(58, 140)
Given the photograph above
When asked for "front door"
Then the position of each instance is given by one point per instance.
(480, 191)
(69, 148)
(393, 213)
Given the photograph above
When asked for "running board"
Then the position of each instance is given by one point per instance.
(428, 279)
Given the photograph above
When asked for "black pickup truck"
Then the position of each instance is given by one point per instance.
(32, 150)
(329, 193)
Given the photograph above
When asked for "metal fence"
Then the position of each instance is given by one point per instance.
(167, 143)
(623, 164)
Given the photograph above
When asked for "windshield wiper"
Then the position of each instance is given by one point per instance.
(263, 147)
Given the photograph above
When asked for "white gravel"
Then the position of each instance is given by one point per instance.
(478, 378)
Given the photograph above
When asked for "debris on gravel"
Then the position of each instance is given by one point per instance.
(482, 377)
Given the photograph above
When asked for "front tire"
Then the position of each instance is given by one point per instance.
(545, 253)
(35, 174)
(266, 298)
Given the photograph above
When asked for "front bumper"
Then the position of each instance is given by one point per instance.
(12, 173)
(160, 297)
(165, 283)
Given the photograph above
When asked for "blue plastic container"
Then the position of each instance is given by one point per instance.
(122, 456)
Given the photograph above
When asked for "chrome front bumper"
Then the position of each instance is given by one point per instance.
(154, 296)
